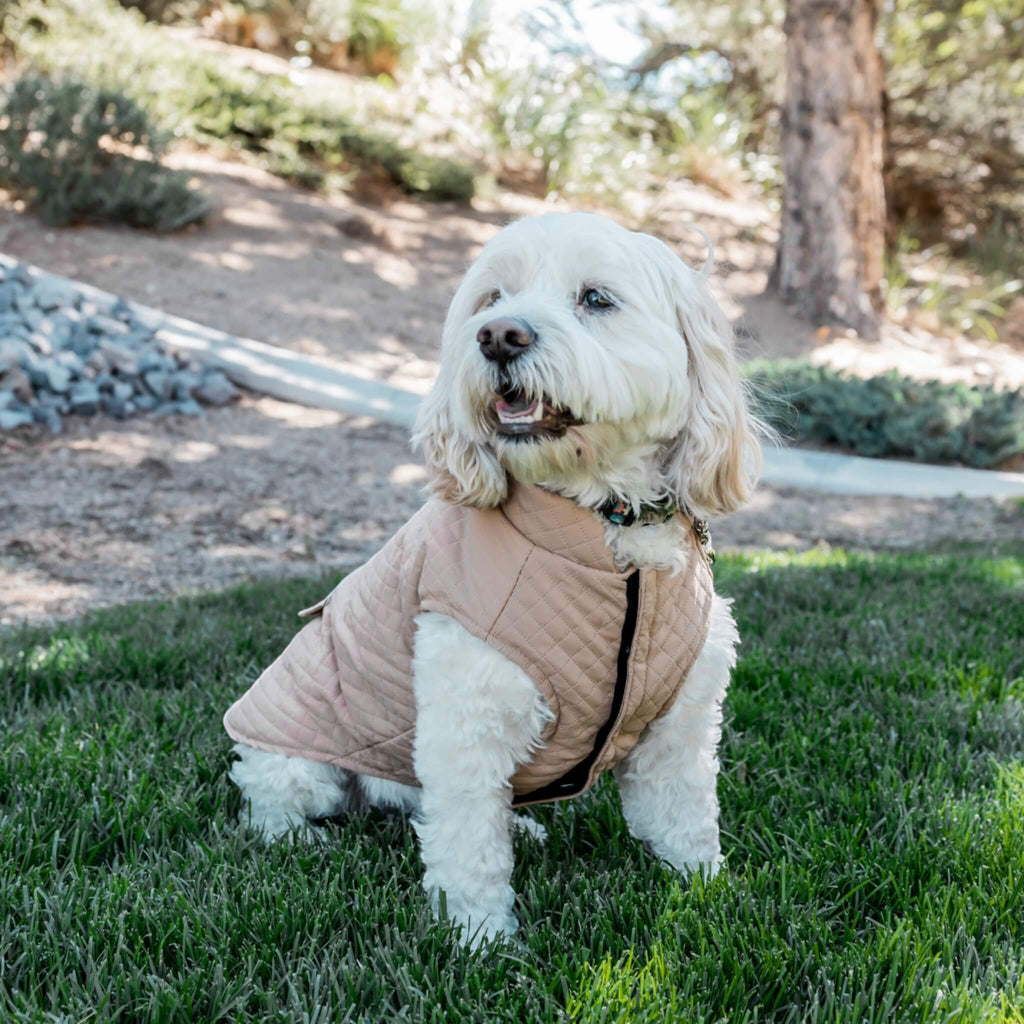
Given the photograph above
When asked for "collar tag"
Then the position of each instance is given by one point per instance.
(700, 527)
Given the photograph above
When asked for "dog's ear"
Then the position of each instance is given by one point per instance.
(714, 462)
(460, 470)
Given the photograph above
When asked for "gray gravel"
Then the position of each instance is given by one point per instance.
(65, 354)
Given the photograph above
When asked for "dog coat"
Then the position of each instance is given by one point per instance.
(535, 580)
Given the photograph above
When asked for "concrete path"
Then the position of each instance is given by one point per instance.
(851, 474)
(307, 380)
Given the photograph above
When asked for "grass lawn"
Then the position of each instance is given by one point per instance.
(872, 807)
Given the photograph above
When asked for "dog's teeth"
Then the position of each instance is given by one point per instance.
(538, 413)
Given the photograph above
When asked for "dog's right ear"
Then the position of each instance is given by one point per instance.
(460, 470)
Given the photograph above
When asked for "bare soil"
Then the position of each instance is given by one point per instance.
(366, 284)
(110, 512)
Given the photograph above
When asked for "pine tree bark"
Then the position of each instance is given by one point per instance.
(828, 264)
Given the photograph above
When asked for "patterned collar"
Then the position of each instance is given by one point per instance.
(621, 513)
(653, 513)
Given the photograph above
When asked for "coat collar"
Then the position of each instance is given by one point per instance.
(559, 525)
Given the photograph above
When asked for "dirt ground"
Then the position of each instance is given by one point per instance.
(366, 284)
(110, 512)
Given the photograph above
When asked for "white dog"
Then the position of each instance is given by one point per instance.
(549, 613)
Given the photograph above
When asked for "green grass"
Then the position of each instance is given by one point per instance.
(872, 806)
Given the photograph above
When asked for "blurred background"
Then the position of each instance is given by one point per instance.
(317, 174)
(596, 104)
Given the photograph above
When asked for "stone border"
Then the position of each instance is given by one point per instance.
(316, 382)
(255, 365)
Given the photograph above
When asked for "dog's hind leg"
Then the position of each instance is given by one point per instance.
(478, 716)
(668, 782)
(280, 794)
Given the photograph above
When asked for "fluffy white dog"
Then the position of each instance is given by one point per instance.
(588, 389)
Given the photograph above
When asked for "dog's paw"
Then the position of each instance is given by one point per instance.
(707, 867)
(273, 828)
(521, 823)
(475, 933)
(474, 924)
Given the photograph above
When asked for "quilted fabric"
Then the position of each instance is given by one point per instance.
(535, 580)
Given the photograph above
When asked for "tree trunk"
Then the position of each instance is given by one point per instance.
(829, 259)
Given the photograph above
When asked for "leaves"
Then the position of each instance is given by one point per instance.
(889, 415)
(196, 95)
(76, 152)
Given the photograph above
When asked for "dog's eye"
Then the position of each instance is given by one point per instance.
(594, 298)
(488, 300)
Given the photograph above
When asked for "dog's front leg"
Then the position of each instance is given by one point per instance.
(478, 716)
(668, 782)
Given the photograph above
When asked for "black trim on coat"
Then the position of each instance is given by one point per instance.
(574, 781)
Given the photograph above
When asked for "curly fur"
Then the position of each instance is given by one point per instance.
(662, 410)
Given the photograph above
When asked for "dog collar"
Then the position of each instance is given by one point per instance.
(700, 527)
(655, 512)
(621, 513)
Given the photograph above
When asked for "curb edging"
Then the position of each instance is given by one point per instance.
(307, 380)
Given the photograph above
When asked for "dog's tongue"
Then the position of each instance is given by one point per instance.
(517, 405)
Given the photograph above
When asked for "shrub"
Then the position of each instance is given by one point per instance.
(296, 132)
(890, 415)
(77, 152)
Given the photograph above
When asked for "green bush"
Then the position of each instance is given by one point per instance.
(889, 415)
(75, 152)
(296, 132)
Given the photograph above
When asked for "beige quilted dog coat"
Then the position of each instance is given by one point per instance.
(534, 579)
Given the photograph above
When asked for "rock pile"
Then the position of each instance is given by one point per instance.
(64, 353)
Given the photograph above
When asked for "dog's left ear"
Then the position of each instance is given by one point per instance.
(713, 464)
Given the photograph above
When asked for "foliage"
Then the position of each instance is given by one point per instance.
(361, 35)
(932, 287)
(300, 134)
(889, 415)
(596, 131)
(955, 79)
(871, 797)
(370, 29)
(76, 152)
(954, 85)
(166, 11)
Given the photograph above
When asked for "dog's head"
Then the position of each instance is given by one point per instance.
(588, 357)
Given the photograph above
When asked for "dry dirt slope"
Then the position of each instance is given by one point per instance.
(368, 285)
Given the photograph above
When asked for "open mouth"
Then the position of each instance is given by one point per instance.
(519, 416)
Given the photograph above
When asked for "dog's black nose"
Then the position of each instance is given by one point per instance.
(504, 338)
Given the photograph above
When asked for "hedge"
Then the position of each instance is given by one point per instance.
(889, 415)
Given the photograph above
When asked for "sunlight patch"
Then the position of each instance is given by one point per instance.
(407, 473)
(624, 990)
(60, 655)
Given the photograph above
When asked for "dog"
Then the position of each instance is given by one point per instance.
(549, 614)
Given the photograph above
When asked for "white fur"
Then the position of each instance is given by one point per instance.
(282, 793)
(668, 780)
(478, 717)
(656, 385)
(655, 380)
